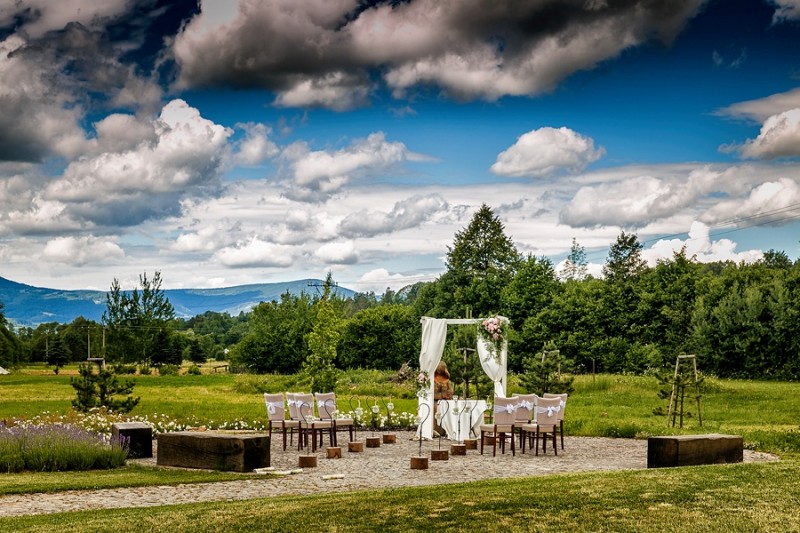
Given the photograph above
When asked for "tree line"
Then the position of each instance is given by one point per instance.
(740, 320)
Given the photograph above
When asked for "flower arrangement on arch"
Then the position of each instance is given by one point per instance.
(492, 331)
(423, 384)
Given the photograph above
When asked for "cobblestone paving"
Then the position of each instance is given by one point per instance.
(374, 468)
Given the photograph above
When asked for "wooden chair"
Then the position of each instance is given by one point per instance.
(326, 407)
(311, 425)
(276, 412)
(563, 397)
(523, 414)
(545, 423)
(503, 426)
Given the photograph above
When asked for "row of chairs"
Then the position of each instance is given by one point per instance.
(304, 420)
(529, 415)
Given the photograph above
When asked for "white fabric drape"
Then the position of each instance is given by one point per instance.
(434, 335)
(495, 368)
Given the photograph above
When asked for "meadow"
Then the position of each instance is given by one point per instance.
(752, 497)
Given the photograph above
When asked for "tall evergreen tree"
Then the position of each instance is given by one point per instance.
(624, 260)
(480, 263)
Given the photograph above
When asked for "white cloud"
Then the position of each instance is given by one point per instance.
(761, 109)
(700, 245)
(256, 147)
(379, 279)
(769, 202)
(779, 137)
(408, 213)
(319, 174)
(80, 251)
(545, 152)
(337, 90)
(180, 152)
(255, 253)
(44, 15)
(337, 253)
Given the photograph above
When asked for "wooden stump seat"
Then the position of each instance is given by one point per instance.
(213, 451)
(688, 450)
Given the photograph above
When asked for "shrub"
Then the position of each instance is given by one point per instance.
(194, 370)
(55, 448)
(168, 370)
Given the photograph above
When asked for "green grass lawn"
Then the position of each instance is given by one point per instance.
(749, 497)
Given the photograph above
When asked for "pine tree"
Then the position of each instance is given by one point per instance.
(99, 390)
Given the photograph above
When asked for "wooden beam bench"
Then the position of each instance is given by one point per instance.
(213, 451)
(689, 450)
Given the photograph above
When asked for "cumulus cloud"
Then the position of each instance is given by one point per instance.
(700, 246)
(761, 109)
(637, 200)
(316, 175)
(320, 52)
(379, 279)
(256, 147)
(768, 203)
(337, 253)
(179, 152)
(80, 251)
(255, 253)
(408, 213)
(545, 152)
(779, 137)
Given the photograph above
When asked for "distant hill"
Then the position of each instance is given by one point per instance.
(29, 306)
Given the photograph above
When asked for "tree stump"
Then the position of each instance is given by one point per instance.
(440, 455)
(307, 461)
(334, 453)
(419, 463)
(458, 449)
(471, 444)
(389, 438)
(355, 447)
(373, 442)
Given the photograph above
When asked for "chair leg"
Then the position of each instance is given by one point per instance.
(555, 445)
(562, 433)
(494, 443)
(482, 439)
(537, 441)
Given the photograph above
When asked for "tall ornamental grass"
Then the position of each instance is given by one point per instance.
(56, 448)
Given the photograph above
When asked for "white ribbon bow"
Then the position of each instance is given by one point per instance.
(525, 404)
(272, 407)
(549, 410)
(510, 408)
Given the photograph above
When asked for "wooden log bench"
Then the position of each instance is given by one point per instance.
(689, 450)
(136, 436)
(213, 451)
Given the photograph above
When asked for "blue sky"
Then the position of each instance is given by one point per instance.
(231, 142)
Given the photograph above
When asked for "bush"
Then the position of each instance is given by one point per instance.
(194, 370)
(55, 448)
(168, 370)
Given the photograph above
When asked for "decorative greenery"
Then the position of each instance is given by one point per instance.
(319, 365)
(492, 331)
(423, 384)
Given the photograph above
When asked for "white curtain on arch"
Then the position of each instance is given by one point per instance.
(434, 335)
(495, 368)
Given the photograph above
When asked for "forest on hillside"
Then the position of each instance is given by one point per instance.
(740, 320)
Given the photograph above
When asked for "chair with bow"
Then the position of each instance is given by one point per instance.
(524, 411)
(326, 407)
(276, 412)
(545, 423)
(563, 397)
(503, 425)
(311, 425)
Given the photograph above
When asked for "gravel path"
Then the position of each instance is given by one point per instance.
(375, 468)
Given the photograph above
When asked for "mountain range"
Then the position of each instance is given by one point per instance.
(26, 305)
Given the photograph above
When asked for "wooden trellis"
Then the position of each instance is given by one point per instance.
(679, 389)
